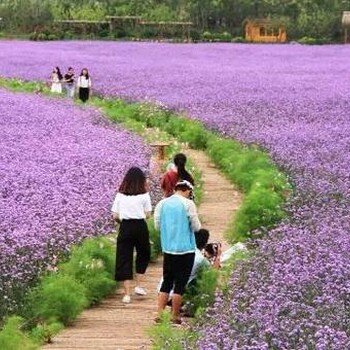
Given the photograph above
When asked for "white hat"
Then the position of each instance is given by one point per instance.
(184, 183)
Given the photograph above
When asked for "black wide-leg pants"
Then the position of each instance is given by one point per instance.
(133, 234)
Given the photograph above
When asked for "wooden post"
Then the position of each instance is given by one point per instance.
(346, 36)
(160, 147)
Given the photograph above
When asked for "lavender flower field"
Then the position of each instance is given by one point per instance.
(59, 168)
(293, 101)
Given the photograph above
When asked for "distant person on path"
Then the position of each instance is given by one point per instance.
(56, 80)
(176, 218)
(174, 174)
(131, 207)
(69, 82)
(84, 85)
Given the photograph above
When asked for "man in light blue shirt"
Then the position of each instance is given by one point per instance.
(176, 218)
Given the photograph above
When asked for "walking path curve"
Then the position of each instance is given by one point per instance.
(113, 325)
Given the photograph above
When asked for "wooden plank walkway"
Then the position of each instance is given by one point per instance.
(114, 325)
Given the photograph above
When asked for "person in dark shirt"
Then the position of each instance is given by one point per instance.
(69, 82)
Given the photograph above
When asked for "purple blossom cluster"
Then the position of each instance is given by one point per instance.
(293, 101)
(59, 169)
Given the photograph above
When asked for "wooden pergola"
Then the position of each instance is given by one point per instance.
(116, 22)
(84, 26)
(185, 27)
(346, 24)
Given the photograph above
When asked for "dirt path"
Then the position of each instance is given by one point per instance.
(113, 325)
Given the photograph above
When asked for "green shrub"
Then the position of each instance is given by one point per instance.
(12, 338)
(238, 39)
(202, 293)
(261, 209)
(152, 116)
(103, 32)
(52, 37)
(41, 37)
(58, 298)
(165, 336)
(43, 332)
(68, 35)
(149, 33)
(120, 33)
(223, 37)
(154, 237)
(92, 264)
(195, 35)
(207, 36)
(33, 36)
(175, 126)
(195, 135)
(313, 41)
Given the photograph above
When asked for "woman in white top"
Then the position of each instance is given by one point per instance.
(56, 80)
(84, 85)
(131, 207)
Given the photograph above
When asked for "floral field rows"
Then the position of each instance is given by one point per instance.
(291, 100)
(59, 168)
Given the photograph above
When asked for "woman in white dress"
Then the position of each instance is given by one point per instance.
(56, 80)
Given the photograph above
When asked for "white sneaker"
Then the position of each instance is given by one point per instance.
(126, 299)
(140, 291)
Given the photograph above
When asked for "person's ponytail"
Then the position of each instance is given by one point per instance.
(180, 162)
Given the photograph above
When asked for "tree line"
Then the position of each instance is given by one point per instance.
(312, 18)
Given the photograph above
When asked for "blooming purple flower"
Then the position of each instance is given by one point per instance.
(59, 169)
(293, 101)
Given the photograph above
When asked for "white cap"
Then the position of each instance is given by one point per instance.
(184, 183)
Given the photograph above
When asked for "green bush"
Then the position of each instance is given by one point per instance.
(152, 116)
(313, 41)
(92, 265)
(41, 37)
(33, 36)
(195, 35)
(149, 33)
(52, 37)
(175, 126)
(154, 239)
(195, 135)
(202, 293)
(43, 332)
(223, 37)
(238, 39)
(103, 32)
(165, 336)
(68, 35)
(120, 33)
(58, 298)
(207, 36)
(261, 209)
(12, 338)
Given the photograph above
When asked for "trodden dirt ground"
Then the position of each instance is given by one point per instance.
(114, 325)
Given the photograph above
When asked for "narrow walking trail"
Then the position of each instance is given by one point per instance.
(114, 325)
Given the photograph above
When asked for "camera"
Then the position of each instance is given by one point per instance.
(213, 248)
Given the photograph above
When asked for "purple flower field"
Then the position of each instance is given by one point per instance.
(292, 100)
(59, 168)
